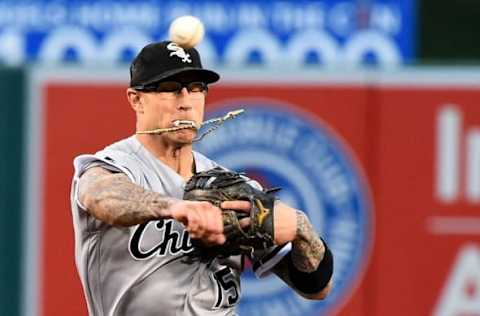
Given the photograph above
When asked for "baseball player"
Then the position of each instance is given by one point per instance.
(133, 231)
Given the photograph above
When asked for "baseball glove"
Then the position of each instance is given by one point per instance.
(217, 185)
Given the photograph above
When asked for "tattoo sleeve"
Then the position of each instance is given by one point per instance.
(114, 199)
(307, 251)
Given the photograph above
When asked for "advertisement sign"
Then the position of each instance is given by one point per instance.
(428, 194)
(387, 171)
(325, 32)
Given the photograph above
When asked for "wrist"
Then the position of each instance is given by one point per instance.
(316, 280)
(285, 221)
(163, 207)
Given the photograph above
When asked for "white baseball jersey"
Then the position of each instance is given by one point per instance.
(141, 270)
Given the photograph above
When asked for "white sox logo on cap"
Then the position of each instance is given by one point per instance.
(166, 59)
(179, 52)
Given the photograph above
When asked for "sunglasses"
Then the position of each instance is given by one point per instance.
(174, 87)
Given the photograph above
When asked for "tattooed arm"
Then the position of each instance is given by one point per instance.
(306, 255)
(114, 199)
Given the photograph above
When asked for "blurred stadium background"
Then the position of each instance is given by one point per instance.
(366, 112)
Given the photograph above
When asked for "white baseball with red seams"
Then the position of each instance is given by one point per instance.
(187, 31)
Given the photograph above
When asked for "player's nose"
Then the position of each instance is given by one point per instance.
(183, 102)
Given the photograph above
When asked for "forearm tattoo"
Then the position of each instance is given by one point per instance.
(308, 249)
(113, 198)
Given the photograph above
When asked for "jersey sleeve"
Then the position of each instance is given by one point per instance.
(112, 160)
(263, 261)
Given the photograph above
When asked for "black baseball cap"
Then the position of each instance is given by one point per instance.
(168, 61)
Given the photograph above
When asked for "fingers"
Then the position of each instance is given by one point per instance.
(195, 224)
(245, 222)
(202, 220)
(217, 239)
(214, 219)
(243, 206)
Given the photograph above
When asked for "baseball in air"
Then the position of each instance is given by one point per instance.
(187, 31)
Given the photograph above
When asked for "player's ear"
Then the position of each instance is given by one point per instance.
(135, 100)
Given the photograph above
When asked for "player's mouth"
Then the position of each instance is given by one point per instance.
(185, 123)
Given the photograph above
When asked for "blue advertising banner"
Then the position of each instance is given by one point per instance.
(328, 32)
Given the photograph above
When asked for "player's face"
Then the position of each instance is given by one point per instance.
(172, 102)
